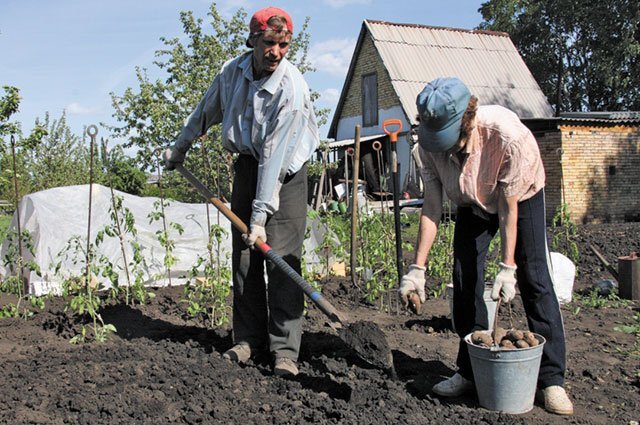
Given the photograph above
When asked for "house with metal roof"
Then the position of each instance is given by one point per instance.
(592, 159)
(393, 62)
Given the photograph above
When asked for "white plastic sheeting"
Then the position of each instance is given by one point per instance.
(564, 273)
(53, 217)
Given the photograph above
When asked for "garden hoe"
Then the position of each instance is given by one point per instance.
(364, 337)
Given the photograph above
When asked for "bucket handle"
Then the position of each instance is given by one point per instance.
(495, 346)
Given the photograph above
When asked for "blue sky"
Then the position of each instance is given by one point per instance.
(70, 54)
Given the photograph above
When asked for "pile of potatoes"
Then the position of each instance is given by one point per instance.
(506, 339)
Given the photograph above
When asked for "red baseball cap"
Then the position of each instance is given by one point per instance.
(259, 19)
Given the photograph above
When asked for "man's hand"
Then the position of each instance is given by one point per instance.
(505, 284)
(173, 157)
(255, 232)
(413, 281)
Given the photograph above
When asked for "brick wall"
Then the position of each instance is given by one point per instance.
(597, 168)
(367, 62)
(550, 147)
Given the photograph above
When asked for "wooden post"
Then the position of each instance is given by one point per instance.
(354, 204)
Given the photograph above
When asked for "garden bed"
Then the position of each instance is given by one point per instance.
(160, 367)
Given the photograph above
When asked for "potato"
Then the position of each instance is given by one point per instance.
(522, 344)
(515, 335)
(531, 339)
(499, 334)
(507, 344)
(414, 302)
(481, 338)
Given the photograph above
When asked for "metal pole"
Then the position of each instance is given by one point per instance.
(92, 131)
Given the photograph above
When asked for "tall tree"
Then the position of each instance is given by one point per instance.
(61, 158)
(152, 115)
(9, 105)
(585, 55)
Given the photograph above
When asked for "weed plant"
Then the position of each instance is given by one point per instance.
(376, 256)
(123, 226)
(163, 235)
(336, 239)
(594, 299)
(634, 329)
(564, 238)
(14, 262)
(440, 261)
(81, 296)
(208, 287)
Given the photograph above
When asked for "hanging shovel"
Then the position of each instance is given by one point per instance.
(393, 137)
(364, 337)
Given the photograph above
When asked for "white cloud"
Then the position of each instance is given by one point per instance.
(332, 56)
(341, 3)
(75, 108)
(330, 96)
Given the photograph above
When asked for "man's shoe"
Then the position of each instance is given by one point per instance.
(557, 401)
(239, 353)
(285, 367)
(453, 387)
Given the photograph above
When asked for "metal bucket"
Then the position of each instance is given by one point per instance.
(505, 379)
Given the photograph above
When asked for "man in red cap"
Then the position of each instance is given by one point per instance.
(263, 105)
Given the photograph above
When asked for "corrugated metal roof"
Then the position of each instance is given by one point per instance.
(486, 61)
(618, 117)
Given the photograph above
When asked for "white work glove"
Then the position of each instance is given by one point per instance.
(256, 231)
(505, 284)
(172, 157)
(413, 280)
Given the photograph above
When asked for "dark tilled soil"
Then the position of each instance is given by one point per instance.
(161, 368)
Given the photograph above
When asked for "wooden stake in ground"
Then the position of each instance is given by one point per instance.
(116, 216)
(23, 284)
(354, 204)
(164, 220)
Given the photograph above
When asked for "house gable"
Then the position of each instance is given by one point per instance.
(366, 61)
(407, 56)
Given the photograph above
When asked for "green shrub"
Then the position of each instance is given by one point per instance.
(5, 220)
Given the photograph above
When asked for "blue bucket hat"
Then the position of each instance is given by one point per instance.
(441, 105)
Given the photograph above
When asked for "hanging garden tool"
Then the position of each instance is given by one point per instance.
(393, 138)
(364, 337)
(382, 185)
